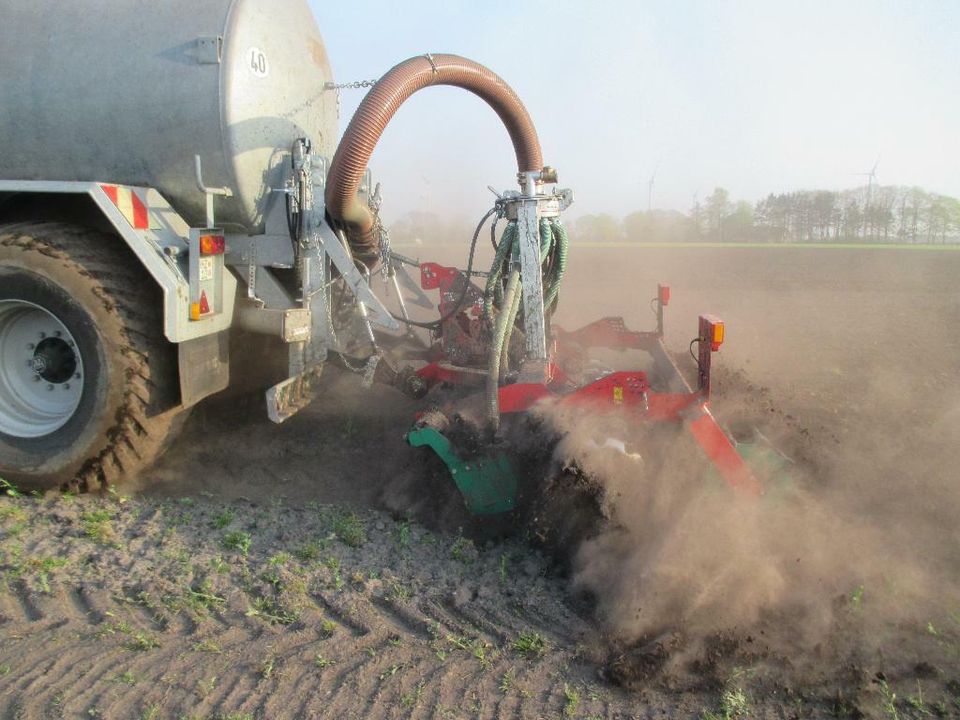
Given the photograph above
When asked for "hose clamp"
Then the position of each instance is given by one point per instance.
(548, 205)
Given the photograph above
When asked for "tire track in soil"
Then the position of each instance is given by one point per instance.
(84, 689)
(28, 610)
(35, 674)
(401, 661)
(76, 597)
(385, 648)
(237, 699)
(428, 680)
(281, 684)
(437, 688)
(475, 624)
(457, 663)
(302, 675)
(390, 693)
(366, 616)
(481, 625)
(402, 618)
(335, 701)
(8, 611)
(342, 617)
(363, 686)
(127, 698)
(389, 621)
(44, 652)
(453, 620)
(485, 684)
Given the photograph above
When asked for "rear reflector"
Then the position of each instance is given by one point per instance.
(212, 244)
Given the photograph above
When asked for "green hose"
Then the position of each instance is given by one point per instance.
(546, 238)
(493, 370)
(505, 350)
(493, 290)
(553, 243)
(559, 232)
(509, 249)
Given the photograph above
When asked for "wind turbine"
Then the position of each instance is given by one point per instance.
(650, 187)
(871, 178)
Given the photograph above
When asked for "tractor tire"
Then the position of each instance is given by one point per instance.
(89, 391)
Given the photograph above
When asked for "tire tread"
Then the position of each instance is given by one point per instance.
(151, 414)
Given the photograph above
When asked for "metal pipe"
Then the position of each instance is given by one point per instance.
(208, 192)
(380, 105)
(403, 305)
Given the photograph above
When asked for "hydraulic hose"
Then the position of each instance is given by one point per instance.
(435, 324)
(380, 105)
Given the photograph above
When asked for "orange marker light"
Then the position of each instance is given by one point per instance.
(664, 294)
(212, 244)
(200, 308)
(711, 331)
(717, 339)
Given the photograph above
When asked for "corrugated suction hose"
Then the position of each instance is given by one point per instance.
(380, 105)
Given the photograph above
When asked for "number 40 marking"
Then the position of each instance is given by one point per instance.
(258, 62)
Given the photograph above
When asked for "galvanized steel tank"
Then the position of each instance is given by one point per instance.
(128, 91)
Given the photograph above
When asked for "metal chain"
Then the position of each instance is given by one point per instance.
(355, 85)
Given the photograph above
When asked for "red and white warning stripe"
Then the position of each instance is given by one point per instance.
(129, 204)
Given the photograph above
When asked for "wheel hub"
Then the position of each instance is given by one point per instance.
(54, 360)
(41, 371)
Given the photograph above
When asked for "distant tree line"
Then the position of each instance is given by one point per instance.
(872, 214)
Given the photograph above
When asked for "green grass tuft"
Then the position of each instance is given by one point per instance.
(239, 541)
(350, 529)
(530, 644)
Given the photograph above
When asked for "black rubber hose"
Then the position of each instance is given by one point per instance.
(434, 324)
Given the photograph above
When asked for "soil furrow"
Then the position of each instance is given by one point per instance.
(401, 617)
(343, 617)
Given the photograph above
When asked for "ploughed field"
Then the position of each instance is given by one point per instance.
(304, 571)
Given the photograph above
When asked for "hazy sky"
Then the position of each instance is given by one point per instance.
(754, 96)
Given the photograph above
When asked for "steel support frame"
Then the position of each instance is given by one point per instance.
(161, 248)
(320, 249)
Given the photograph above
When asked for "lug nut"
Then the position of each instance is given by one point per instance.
(58, 333)
(49, 387)
(31, 346)
(42, 335)
(71, 343)
(77, 376)
(36, 378)
(66, 386)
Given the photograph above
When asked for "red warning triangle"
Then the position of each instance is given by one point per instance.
(204, 305)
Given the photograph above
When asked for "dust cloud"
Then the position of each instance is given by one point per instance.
(849, 559)
(683, 553)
